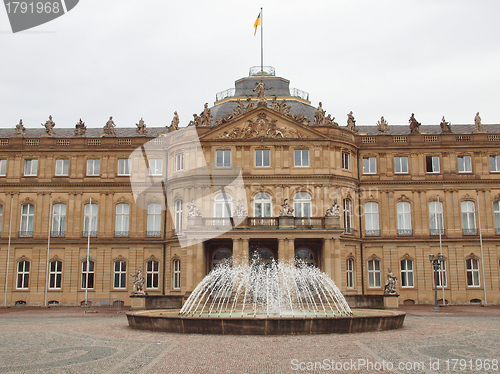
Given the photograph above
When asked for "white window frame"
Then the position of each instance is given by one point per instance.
(27, 219)
(178, 217)
(23, 275)
(464, 164)
(434, 164)
(124, 167)
(3, 168)
(155, 166)
(400, 165)
(468, 210)
(179, 162)
(223, 158)
(347, 203)
(442, 277)
(473, 277)
(372, 218)
(152, 275)
(223, 205)
(369, 165)
(90, 215)
(62, 168)
(302, 205)
(55, 275)
(301, 158)
(262, 205)
(154, 219)
(345, 160)
(436, 216)
(495, 164)
(496, 213)
(350, 273)
(122, 219)
(120, 275)
(374, 274)
(30, 168)
(176, 274)
(264, 156)
(93, 167)
(1, 216)
(59, 219)
(407, 273)
(403, 209)
(91, 274)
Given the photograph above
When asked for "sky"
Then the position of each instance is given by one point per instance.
(134, 59)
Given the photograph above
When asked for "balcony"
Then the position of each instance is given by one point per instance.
(437, 231)
(264, 222)
(372, 232)
(405, 232)
(153, 234)
(85, 234)
(469, 231)
(121, 234)
(25, 234)
(348, 230)
(57, 234)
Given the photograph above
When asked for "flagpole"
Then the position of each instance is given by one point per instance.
(481, 243)
(261, 41)
(8, 250)
(442, 262)
(89, 227)
(48, 253)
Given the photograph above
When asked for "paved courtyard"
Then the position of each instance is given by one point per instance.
(65, 340)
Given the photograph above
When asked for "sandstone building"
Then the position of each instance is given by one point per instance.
(401, 192)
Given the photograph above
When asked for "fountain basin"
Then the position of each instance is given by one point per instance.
(363, 320)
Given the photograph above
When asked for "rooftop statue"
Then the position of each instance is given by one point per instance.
(382, 126)
(260, 89)
(274, 103)
(109, 127)
(414, 125)
(141, 128)
(319, 115)
(238, 109)
(174, 125)
(80, 128)
(20, 129)
(196, 120)
(478, 126)
(445, 127)
(249, 104)
(49, 127)
(206, 116)
(351, 122)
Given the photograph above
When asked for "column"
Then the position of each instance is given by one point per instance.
(281, 249)
(337, 262)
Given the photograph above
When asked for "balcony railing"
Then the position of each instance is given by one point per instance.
(372, 232)
(153, 234)
(348, 230)
(469, 231)
(405, 232)
(263, 222)
(310, 222)
(121, 234)
(437, 231)
(85, 234)
(25, 234)
(57, 234)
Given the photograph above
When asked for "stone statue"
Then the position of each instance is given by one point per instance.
(334, 211)
(196, 120)
(109, 127)
(249, 104)
(351, 122)
(141, 128)
(478, 126)
(286, 209)
(382, 126)
(80, 128)
(206, 116)
(390, 284)
(49, 126)
(174, 125)
(193, 211)
(238, 109)
(414, 125)
(445, 127)
(274, 103)
(330, 121)
(240, 210)
(260, 89)
(20, 129)
(319, 115)
(138, 283)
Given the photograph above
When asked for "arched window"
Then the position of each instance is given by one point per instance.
(302, 204)
(23, 275)
(404, 218)
(121, 224)
(55, 275)
(371, 219)
(468, 218)
(223, 205)
(176, 282)
(154, 219)
(347, 215)
(178, 217)
(90, 220)
(152, 274)
(221, 256)
(496, 211)
(120, 274)
(59, 220)
(87, 276)
(374, 276)
(305, 256)
(262, 205)
(27, 220)
(436, 217)
(407, 273)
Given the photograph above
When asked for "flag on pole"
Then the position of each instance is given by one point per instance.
(256, 23)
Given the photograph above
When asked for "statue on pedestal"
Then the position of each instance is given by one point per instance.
(20, 129)
(49, 126)
(80, 128)
(109, 127)
(138, 283)
(286, 209)
(445, 127)
(351, 122)
(478, 126)
(382, 126)
(260, 89)
(240, 210)
(334, 210)
(319, 115)
(414, 125)
(390, 284)
(193, 211)
(141, 128)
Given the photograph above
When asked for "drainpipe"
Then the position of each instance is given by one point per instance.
(360, 227)
(164, 239)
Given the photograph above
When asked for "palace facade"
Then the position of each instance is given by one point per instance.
(264, 169)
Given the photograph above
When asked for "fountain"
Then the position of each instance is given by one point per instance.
(261, 298)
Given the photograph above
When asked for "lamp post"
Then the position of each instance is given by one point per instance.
(436, 264)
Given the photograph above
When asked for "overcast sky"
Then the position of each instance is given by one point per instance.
(147, 58)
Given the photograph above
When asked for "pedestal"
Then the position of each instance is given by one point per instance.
(286, 222)
(332, 222)
(391, 301)
(137, 302)
(195, 221)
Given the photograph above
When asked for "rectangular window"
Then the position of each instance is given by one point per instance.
(301, 157)
(179, 162)
(30, 168)
(496, 212)
(495, 164)
(152, 274)
(124, 165)
(473, 272)
(62, 168)
(374, 276)
(178, 217)
(177, 274)
(432, 164)
(401, 165)
(27, 220)
(120, 274)
(3, 168)
(407, 273)
(350, 273)
(23, 275)
(347, 215)
(155, 166)
(262, 158)
(93, 168)
(468, 218)
(90, 220)
(154, 219)
(369, 165)
(464, 164)
(442, 281)
(55, 275)
(404, 218)
(436, 218)
(345, 160)
(87, 276)
(371, 219)
(122, 219)
(58, 220)
(223, 158)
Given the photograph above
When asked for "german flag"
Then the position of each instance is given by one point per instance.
(256, 23)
